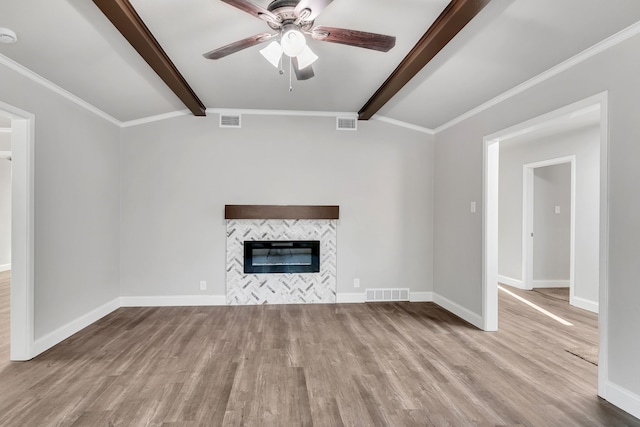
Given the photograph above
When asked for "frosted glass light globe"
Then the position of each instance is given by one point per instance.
(293, 42)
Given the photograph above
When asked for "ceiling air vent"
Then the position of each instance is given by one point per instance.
(230, 121)
(346, 123)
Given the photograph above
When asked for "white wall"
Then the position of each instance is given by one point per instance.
(5, 202)
(552, 229)
(458, 234)
(178, 174)
(584, 143)
(76, 204)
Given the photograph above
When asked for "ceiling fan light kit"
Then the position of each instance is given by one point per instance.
(273, 53)
(293, 41)
(306, 58)
(292, 19)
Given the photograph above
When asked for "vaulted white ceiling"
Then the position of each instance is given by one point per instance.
(72, 44)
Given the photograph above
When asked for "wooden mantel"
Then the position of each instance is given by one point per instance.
(281, 212)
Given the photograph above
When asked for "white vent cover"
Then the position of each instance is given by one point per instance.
(346, 123)
(230, 121)
(389, 294)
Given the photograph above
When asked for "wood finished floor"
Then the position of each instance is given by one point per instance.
(382, 364)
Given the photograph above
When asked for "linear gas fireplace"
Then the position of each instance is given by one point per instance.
(282, 256)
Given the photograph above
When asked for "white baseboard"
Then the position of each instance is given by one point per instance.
(421, 296)
(550, 284)
(516, 283)
(5, 267)
(458, 310)
(623, 399)
(344, 298)
(585, 304)
(173, 301)
(62, 333)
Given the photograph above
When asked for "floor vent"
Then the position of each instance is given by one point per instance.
(390, 294)
(346, 123)
(230, 120)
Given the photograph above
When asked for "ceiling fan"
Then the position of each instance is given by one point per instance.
(292, 19)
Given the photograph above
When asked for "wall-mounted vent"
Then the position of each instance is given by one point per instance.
(230, 121)
(346, 123)
(389, 294)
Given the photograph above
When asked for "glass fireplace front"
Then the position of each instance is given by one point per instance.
(282, 256)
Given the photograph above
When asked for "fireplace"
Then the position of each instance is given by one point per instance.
(281, 256)
(312, 281)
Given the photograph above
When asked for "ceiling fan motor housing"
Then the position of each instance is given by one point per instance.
(285, 10)
(277, 4)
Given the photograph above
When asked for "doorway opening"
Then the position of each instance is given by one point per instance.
(5, 235)
(595, 105)
(22, 232)
(548, 227)
(548, 224)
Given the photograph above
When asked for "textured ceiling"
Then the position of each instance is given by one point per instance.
(72, 44)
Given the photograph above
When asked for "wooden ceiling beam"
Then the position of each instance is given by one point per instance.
(124, 17)
(453, 18)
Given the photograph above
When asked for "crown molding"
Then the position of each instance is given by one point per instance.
(155, 118)
(37, 78)
(245, 111)
(282, 112)
(403, 124)
(290, 113)
(588, 53)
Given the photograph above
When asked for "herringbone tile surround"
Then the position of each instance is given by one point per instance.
(246, 289)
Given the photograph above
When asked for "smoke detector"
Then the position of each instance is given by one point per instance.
(7, 36)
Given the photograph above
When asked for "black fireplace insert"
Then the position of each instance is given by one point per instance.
(282, 256)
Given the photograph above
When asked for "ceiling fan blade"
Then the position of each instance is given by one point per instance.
(239, 45)
(314, 7)
(356, 38)
(255, 10)
(305, 74)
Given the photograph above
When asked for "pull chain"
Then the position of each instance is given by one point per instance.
(290, 68)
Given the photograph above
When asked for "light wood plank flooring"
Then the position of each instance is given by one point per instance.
(382, 364)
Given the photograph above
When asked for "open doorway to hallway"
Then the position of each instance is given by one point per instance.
(549, 199)
(5, 235)
(22, 125)
(556, 135)
(548, 181)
